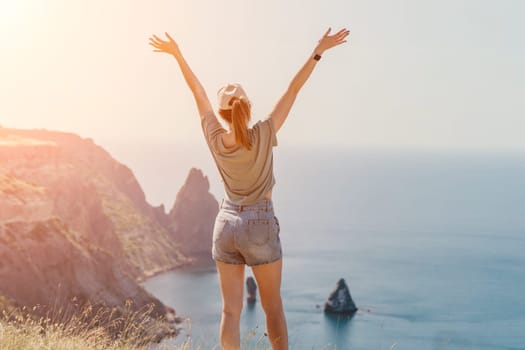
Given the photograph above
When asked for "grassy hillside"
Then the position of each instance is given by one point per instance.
(89, 329)
(20, 332)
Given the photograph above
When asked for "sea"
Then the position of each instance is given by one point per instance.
(430, 243)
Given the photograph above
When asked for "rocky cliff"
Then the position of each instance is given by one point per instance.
(47, 267)
(74, 223)
(98, 197)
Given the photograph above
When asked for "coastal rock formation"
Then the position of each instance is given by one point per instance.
(43, 263)
(75, 225)
(251, 288)
(193, 215)
(96, 196)
(40, 261)
(340, 300)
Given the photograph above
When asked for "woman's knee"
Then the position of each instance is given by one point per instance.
(273, 306)
(232, 310)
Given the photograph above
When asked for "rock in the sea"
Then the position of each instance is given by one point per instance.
(340, 300)
(251, 287)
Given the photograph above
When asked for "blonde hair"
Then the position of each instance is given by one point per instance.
(239, 116)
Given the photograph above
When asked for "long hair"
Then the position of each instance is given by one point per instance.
(239, 116)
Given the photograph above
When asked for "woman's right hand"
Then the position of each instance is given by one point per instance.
(329, 41)
(169, 46)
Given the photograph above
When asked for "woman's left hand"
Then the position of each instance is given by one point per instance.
(329, 41)
(169, 46)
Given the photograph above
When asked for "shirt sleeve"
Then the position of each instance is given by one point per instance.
(267, 131)
(211, 129)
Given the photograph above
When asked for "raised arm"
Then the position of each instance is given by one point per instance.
(171, 47)
(283, 106)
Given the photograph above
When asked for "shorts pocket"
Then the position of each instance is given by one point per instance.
(259, 231)
(219, 228)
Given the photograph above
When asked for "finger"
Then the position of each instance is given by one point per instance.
(152, 41)
(158, 39)
(169, 37)
(157, 50)
(342, 32)
(156, 45)
(342, 35)
(327, 32)
(155, 41)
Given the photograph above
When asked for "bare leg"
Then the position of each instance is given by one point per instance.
(268, 278)
(231, 280)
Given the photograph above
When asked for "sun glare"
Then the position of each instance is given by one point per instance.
(11, 16)
(18, 19)
(9, 11)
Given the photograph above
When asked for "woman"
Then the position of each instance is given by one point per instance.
(246, 230)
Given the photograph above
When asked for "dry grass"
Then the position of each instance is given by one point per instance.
(91, 329)
(20, 329)
(94, 327)
(38, 335)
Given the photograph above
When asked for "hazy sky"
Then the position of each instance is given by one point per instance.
(415, 73)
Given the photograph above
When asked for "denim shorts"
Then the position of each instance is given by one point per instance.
(246, 234)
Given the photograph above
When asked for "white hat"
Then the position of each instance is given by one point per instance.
(225, 94)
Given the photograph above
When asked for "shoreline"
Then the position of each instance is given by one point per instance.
(172, 318)
(152, 273)
(192, 261)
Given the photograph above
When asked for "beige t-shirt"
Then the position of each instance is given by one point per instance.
(247, 174)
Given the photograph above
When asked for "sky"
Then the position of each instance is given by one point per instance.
(415, 74)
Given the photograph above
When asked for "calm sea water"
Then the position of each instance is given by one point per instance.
(431, 245)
